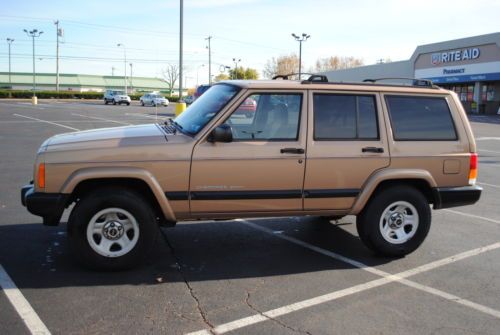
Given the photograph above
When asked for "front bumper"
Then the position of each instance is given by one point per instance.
(446, 197)
(50, 206)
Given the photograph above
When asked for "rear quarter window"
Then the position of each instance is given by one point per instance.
(420, 118)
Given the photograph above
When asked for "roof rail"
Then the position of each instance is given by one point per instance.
(312, 77)
(414, 81)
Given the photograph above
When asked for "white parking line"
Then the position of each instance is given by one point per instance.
(490, 185)
(387, 278)
(102, 119)
(473, 216)
(45, 121)
(21, 305)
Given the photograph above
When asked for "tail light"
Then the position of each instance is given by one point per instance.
(473, 169)
(41, 175)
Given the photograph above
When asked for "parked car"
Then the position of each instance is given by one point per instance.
(188, 99)
(247, 108)
(384, 153)
(153, 99)
(116, 97)
(199, 91)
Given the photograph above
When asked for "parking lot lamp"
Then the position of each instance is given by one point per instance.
(236, 61)
(33, 33)
(124, 64)
(301, 39)
(9, 42)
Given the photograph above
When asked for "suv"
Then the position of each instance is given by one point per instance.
(116, 97)
(153, 99)
(381, 152)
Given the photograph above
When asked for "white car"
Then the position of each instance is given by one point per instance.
(116, 97)
(153, 99)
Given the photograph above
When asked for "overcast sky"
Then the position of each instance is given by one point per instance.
(251, 30)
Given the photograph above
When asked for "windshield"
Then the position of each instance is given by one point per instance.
(206, 107)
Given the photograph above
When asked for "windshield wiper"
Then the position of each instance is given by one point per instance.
(177, 126)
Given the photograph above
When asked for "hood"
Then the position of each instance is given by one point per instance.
(118, 136)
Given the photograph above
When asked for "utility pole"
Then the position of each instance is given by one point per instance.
(209, 61)
(304, 38)
(131, 86)
(124, 64)
(236, 61)
(33, 33)
(59, 33)
(180, 46)
(9, 42)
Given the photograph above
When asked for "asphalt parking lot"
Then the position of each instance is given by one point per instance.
(259, 276)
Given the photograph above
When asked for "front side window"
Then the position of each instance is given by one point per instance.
(267, 117)
(420, 118)
(342, 117)
(205, 108)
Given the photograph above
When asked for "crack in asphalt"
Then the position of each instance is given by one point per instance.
(190, 288)
(247, 301)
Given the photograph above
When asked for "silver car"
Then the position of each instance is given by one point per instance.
(116, 97)
(154, 99)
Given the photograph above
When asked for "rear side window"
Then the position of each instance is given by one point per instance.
(420, 119)
(342, 117)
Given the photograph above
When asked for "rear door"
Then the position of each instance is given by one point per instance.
(347, 144)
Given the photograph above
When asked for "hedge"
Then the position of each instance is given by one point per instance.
(66, 95)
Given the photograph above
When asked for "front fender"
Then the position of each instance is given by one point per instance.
(121, 172)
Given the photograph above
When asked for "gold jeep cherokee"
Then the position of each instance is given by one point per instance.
(381, 152)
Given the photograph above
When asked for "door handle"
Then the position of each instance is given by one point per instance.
(292, 151)
(372, 149)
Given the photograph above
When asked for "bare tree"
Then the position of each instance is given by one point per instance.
(282, 65)
(337, 63)
(171, 75)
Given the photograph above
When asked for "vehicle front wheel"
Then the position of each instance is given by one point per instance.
(105, 101)
(128, 103)
(395, 222)
(111, 229)
(114, 102)
(142, 103)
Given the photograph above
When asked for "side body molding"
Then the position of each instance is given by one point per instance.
(392, 175)
(121, 172)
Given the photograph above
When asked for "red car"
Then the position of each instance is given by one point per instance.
(248, 107)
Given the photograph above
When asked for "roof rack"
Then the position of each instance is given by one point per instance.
(414, 81)
(312, 77)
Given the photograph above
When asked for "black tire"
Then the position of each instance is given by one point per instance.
(105, 101)
(128, 103)
(101, 200)
(142, 103)
(114, 102)
(369, 222)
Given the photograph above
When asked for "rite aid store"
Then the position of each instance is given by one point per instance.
(468, 66)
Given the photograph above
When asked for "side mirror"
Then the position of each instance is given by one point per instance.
(222, 133)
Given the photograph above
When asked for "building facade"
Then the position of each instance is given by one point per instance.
(81, 82)
(469, 66)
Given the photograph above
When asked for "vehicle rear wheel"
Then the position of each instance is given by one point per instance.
(395, 222)
(111, 229)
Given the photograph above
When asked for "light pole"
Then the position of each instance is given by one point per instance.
(59, 33)
(124, 64)
(131, 83)
(236, 61)
(9, 42)
(181, 29)
(33, 33)
(198, 73)
(209, 60)
(301, 39)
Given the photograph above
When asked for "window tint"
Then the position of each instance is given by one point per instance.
(267, 117)
(420, 118)
(338, 117)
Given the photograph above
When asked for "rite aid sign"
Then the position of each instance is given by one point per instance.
(455, 56)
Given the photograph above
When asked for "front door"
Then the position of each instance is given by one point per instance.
(262, 169)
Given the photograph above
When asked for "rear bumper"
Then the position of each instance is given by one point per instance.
(49, 206)
(446, 197)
